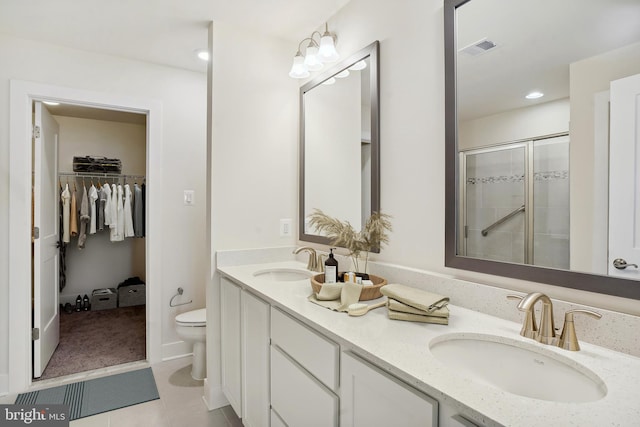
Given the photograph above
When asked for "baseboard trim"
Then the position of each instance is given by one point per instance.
(213, 396)
(175, 350)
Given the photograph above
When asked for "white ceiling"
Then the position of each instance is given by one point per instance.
(160, 31)
(536, 41)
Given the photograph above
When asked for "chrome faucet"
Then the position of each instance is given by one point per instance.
(312, 264)
(546, 332)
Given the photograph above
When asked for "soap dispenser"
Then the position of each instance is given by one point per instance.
(331, 269)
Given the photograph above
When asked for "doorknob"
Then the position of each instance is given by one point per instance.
(621, 264)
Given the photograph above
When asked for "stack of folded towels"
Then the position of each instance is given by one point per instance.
(416, 305)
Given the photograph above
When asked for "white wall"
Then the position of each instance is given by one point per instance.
(102, 263)
(522, 123)
(183, 97)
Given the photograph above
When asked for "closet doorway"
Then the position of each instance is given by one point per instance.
(21, 272)
(99, 262)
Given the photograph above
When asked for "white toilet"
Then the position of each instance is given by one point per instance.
(191, 326)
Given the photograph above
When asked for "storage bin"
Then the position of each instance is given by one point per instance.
(129, 295)
(104, 299)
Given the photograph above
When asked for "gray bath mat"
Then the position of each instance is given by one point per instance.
(91, 397)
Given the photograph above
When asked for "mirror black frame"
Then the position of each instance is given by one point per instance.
(372, 52)
(571, 279)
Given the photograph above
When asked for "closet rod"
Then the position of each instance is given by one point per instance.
(100, 175)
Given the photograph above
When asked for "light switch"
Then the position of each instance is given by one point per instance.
(285, 227)
(189, 198)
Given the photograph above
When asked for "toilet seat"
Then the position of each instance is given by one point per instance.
(192, 318)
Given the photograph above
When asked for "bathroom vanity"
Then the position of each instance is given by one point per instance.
(286, 361)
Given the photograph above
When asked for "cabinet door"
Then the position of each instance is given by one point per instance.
(230, 342)
(370, 397)
(299, 398)
(255, 361)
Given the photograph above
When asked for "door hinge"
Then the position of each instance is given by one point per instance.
(36, 233)
(35, 334)
(36, 131)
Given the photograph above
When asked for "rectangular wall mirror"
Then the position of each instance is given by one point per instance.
(340, 143)
(542, 141)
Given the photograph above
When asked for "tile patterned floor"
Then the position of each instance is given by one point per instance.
(180, 403)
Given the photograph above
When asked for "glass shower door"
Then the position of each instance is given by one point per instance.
(494, 192)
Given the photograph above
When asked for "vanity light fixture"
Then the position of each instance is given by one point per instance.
(342, 74)
(316, 54)
(534, 95)
(329, 81)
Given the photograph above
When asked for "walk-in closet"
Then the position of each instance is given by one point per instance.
(100, 185)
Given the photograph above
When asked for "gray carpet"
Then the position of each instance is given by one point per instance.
(97, 339)
(99, 395)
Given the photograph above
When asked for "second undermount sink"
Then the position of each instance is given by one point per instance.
(517, 367)
(284, 274)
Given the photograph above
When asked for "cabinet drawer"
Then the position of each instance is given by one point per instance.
(299, 398)
(314, 352)
(372, 397)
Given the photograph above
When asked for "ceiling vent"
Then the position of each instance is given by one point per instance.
(478, 47)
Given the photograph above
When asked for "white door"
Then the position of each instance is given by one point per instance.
(624, 181)
(46, 278)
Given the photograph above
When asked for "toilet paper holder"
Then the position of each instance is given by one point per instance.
(180, 292)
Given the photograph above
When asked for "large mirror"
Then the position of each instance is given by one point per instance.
(340, 143)
(542, 141)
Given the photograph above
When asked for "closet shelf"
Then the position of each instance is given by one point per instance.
(100, 175)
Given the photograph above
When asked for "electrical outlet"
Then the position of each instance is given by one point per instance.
(285, 227)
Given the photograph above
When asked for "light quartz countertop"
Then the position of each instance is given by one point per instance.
(402, 348)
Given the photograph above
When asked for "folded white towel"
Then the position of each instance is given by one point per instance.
(417, 298)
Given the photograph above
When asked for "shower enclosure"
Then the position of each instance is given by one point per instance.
(515, 202)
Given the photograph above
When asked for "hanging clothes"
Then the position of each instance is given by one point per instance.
(84, 218)
(113, 213)
(102, 209)
(144, 209)
(65, 197)
(128, 219)
(93, 197)
(73, 219)
(106, 189)
(62, 247)
(117, 232)
(138, 205)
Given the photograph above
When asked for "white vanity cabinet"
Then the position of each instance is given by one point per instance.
(230, 343)
(370, 397)
(304, 374)
(245, 353)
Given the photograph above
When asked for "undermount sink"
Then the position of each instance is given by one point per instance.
(284, 274)
(518, 367)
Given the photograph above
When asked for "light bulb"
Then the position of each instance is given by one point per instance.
(342, 74)
(298, 69)
(329, 81)
(311, 60)
(360, 65)
(327, 51)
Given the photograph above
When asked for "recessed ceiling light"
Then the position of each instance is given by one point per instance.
(534, 95)
(203, 54)
(51, 103)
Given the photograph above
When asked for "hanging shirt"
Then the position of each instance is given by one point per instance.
(138, 203)
(102, 207)
(66, 210)
(73, 215)
(128, 219)
(84, 218)
(113, 224)
(93, 196)
(118, 236)
(106, 189)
